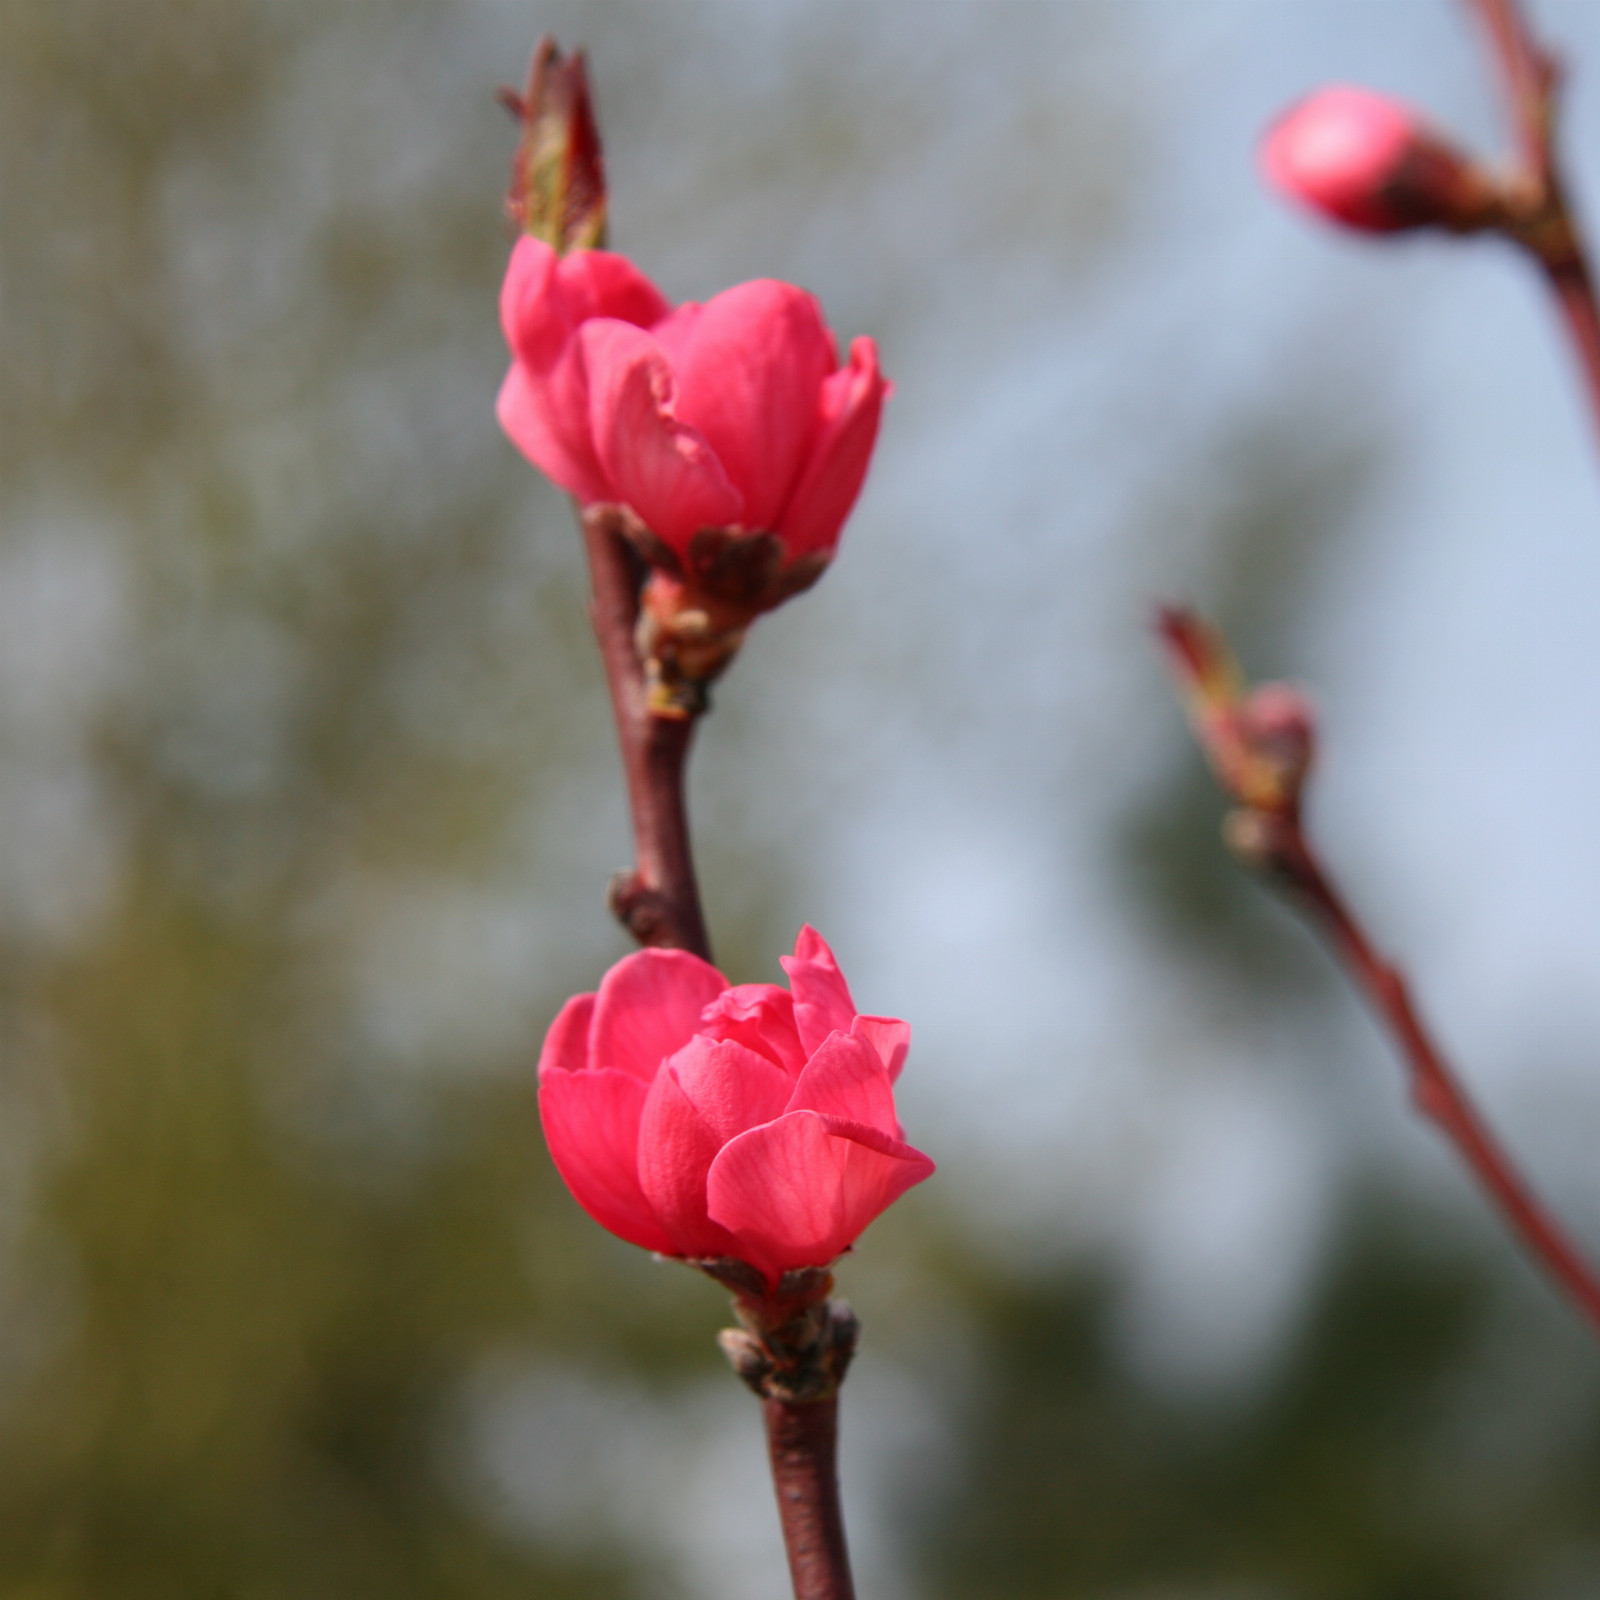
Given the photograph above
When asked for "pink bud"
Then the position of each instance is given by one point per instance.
(1259, 741)
(1374, 164)
(745, 1122)
(727, 420)
(1277, 726)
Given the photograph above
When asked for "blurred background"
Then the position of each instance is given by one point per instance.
(309, 800)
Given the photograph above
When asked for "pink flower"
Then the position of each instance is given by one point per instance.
(735, 414)
(1374, 164)
(703, 1120)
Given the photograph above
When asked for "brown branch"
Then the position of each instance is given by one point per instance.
(1279, 843)
(802, 1442)
(1529, 76)
(1538, 215)
(1575, 294)
(1260, 743)
(793, 1347)
(659, 900)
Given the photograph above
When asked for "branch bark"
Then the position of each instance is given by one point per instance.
(803, 1443)
(1573, 284)
(1437, 1093)
(659, 900)
(1540, 216)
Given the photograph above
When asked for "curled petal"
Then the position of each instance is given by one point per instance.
(760, 1016)
(544, 402)
(601, 283)
(533, 310)
(846, 1079)
(851, 403)
(591, 1123)
(675, 333)
(663, 469)
(731, 1087)
(676, 1148)
(889, 1036)
(545, 298)
(797, 1193)
(547, 420)
(822, 1003)
(648, 1007)
(749, 375)
(566, 1045)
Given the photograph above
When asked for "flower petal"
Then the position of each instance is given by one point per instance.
(796, 1193)
(544, 402)
(547, 419)
(822, 1003)
(591, 1123)
(664, 469)
(760, 1016)
(749, 377)
(675, 333)
(648, 1006)
(851, 403)
(601, 283)
(731, 1086)
(546, 298)
(533, 310)
(889, 1036)
(566, 1045)
(846, 1079)
(676, 1149)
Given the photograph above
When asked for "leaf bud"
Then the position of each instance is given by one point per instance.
(558, 178)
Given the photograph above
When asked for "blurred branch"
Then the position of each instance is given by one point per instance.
(1436, 1091)
(1260, 744)
(1538, 215)
(659, 900)
(1529, 76)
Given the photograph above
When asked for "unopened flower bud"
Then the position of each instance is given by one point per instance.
(1259, 741)
(1278, 728)
(1376, 165)
(558, 179)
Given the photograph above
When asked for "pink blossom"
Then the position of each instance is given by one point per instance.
(1373, 164)
(747, 1121)
(732, 415)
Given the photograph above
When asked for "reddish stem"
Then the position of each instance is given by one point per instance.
(803, 1441)
(1528, 75)
(1437, 1093)
(1542, 219)
(659, 901)
(1574, 289)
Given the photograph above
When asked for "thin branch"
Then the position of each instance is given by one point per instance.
(1437, 1092)
(659, 901)
(1573, 284)
(1529, 76)
(1539, 216)
(1260, 743)
(793, 1344)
